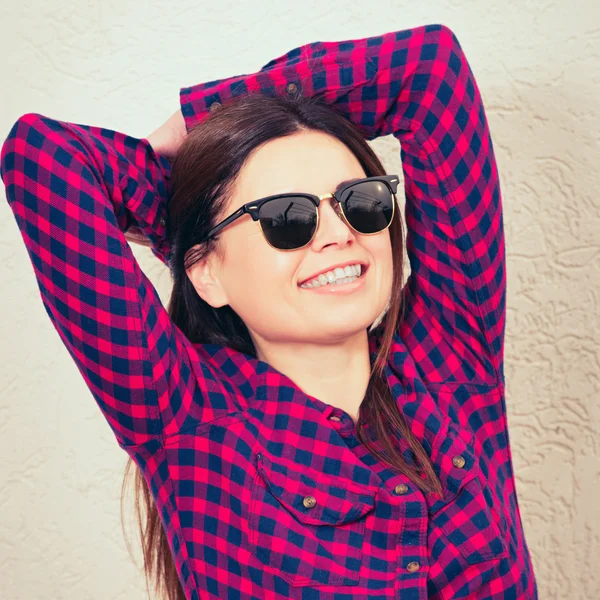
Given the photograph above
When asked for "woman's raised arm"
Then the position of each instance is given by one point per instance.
(74, 190)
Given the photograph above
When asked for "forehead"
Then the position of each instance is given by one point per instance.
(311, 162)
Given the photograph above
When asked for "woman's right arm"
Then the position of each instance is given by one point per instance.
(74, 191)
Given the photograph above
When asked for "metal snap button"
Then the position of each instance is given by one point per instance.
(458, 461)
(291, 88)
(214, 106)
(309, 501)
(163, 222)
(413, 566)
(401, 488)
(333, 418)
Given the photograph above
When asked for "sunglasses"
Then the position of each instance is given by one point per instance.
(290, 221)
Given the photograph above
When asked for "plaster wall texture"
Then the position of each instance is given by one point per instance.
(120, 65)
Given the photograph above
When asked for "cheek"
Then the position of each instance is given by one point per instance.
(381, 252)
(257, 278)
(380, 248)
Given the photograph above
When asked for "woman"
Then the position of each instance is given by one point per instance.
(304, 425)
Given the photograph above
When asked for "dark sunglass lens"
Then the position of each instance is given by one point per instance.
(288, 222)
(368, 206)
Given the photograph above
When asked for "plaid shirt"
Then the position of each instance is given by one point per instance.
(263, 490)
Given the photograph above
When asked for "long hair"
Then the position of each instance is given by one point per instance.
(203, 174)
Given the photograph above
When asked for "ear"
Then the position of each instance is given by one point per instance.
(204, 276)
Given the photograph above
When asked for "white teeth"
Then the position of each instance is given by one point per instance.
(346, 280)
(336, 277)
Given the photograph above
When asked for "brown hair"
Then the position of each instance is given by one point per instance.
(203, 174)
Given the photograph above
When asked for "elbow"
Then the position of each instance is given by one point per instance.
(441, 36)
(21, 134)
(445, 34)
(447, 58)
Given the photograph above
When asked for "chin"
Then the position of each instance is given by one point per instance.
(343, 329)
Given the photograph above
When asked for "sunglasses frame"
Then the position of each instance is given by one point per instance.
(253, 208)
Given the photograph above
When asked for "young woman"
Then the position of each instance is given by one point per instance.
(303, 424)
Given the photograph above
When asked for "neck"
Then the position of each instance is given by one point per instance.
(337, 374)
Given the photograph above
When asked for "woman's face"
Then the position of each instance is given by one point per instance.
(262, 284)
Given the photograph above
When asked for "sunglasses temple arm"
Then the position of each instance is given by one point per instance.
(230, 219)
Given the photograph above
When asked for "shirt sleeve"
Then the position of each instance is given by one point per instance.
(74, 190)
(417, 85)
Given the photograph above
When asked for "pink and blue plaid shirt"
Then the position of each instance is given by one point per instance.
(264, 491)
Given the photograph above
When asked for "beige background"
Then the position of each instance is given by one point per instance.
(120, 63)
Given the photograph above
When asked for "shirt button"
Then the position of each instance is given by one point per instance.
(214, 106)
(334, 418)
(163, 222)
(401, 488)
(309, 501)
(458, 461)
(413, 566)
(291, 88)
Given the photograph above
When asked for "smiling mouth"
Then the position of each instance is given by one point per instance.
(336, 277)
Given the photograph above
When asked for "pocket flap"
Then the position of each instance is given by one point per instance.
(316, 501)
(454, 461)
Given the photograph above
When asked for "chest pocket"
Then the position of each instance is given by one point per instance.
(467, 517)
(306, 531)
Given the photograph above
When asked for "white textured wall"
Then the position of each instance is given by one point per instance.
(119, 63)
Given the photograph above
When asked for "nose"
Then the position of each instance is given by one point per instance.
(332, 227)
